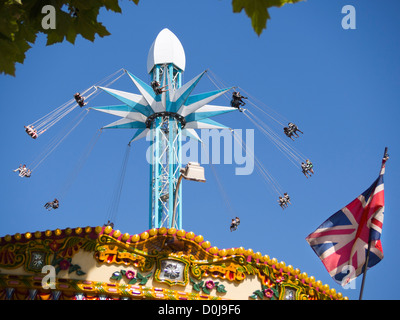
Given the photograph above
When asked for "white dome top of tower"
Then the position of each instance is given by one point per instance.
(166, 49)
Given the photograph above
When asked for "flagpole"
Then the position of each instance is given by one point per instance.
(365, 268)
(385, 156)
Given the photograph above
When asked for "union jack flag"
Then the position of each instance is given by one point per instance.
(341, 242)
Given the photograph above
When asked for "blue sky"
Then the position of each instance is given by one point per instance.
(341, 87)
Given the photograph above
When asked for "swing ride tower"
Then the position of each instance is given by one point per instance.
(165, 64)
(165, 118)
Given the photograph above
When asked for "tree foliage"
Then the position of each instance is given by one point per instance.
(21, 22)
(257, 10)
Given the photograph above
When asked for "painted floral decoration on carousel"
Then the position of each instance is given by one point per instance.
(266, 292)
(65, 264)
(131, 276)
(207, 286)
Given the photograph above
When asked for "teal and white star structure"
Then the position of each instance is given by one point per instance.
(165, 117)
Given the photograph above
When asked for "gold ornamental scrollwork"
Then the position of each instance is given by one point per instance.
(110, 250)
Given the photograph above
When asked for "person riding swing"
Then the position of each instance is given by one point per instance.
(310, 166)
(109, 223)
(282, 202)
(156, 87)
(27, 173)
(52, 205)
(307, 168)
(237, 100)
(287, 198)
(237, 221)
(80, 100)
(293, 128)
(233, 226)
(304, 169)
(23, 171)
(288, 132)
(32, 132)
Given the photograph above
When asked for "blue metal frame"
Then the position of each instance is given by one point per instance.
(160, 215)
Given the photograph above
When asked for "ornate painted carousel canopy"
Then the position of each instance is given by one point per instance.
(95, 263)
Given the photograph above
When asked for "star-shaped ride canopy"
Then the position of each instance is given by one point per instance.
(138, 110)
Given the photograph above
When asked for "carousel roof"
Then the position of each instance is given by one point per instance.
(112, 247)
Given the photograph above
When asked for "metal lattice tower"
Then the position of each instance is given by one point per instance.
(165, 155)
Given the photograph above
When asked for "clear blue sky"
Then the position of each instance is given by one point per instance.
(340, 86)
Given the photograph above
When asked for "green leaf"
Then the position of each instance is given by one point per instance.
(257, 11)
(259, 293)
(80, 272)
(73, 267)
(116, 276)
(54, 37)
(206, 291)
(221, 288)
(112, 5)
(143, 279)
